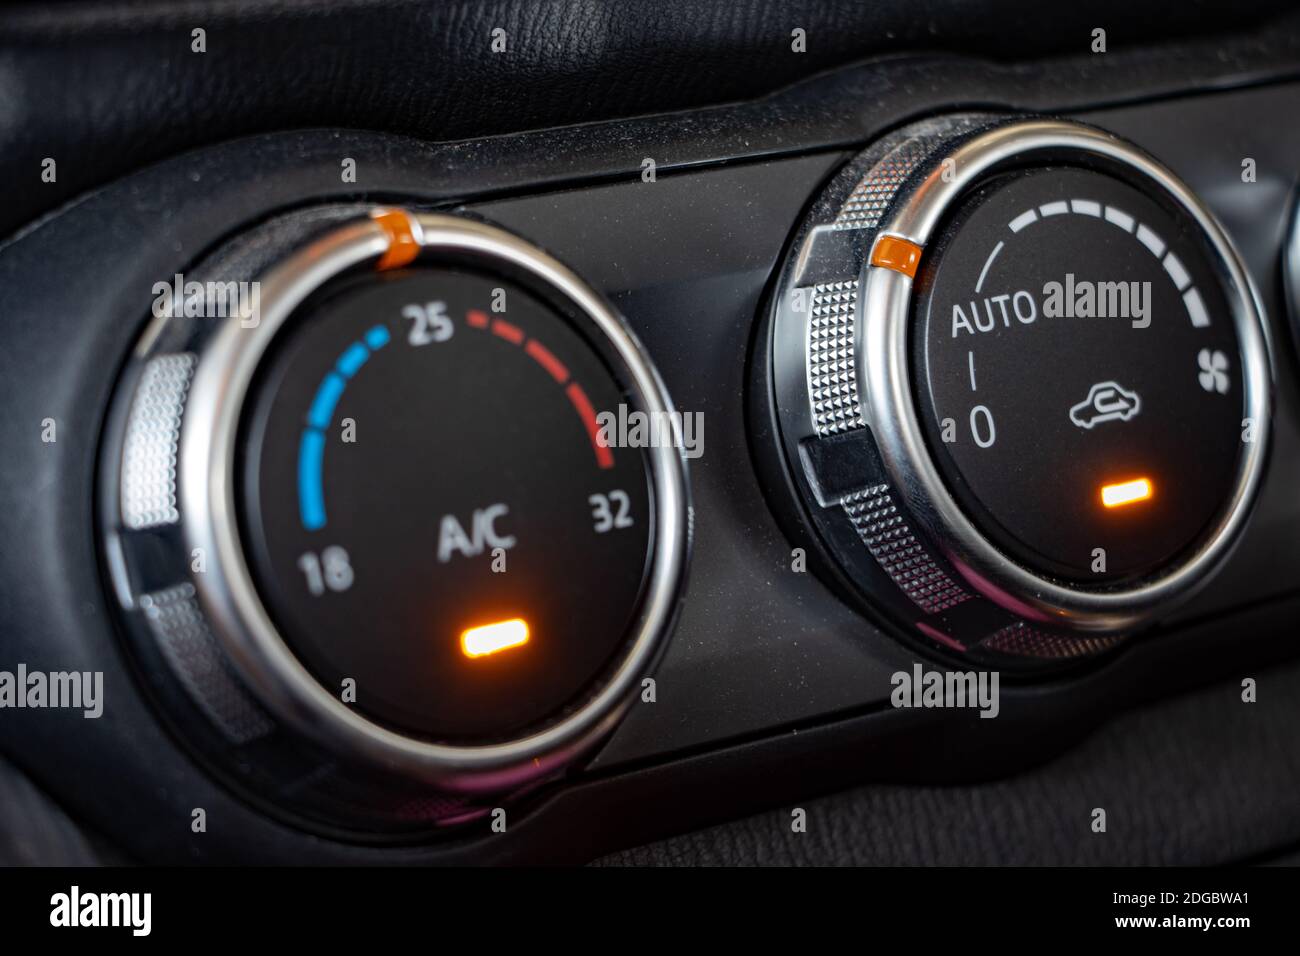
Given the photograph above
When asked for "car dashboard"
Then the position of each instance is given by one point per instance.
(744, 435)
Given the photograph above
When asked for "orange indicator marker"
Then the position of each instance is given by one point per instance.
(1125, 492)
(893, 252)
(403, 247)
(493, 638)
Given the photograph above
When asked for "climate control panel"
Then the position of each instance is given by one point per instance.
(386, 558)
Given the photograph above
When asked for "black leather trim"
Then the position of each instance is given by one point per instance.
(105, 87)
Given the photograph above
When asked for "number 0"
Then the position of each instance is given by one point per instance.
(982, 441)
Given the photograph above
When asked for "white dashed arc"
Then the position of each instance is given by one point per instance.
(1149, 239)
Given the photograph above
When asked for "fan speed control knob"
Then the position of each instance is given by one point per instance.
(1021, 385)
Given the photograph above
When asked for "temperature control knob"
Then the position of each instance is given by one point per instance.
(1020, 383)
(379, 507)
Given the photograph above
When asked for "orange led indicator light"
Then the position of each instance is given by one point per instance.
(1126, 492)
(494, 638)
(901, 255)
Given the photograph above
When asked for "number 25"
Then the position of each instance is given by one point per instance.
(432, 324)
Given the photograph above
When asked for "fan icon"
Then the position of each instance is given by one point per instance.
(1214, 370)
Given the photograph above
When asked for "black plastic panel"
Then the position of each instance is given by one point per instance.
(772, 687)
